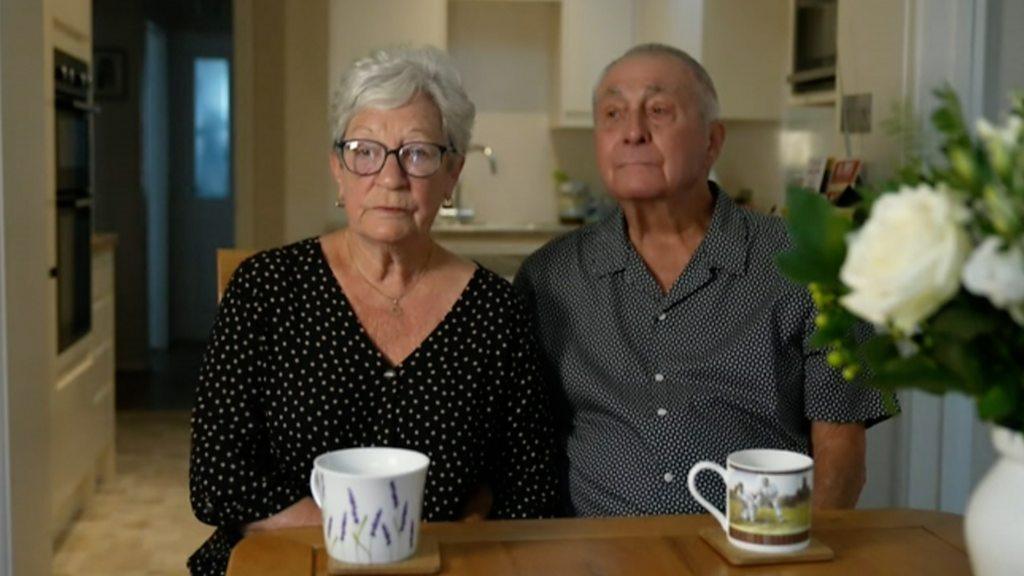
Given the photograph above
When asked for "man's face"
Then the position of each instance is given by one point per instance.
(651, 140)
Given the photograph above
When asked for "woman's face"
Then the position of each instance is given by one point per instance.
(391, 206)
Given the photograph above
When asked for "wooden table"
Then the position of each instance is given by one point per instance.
(875, 542)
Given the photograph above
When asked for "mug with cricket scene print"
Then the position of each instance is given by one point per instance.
(768, 499)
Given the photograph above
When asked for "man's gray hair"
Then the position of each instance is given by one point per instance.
(389, 78)
(707, 97)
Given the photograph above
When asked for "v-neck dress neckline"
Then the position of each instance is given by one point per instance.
(435, 333)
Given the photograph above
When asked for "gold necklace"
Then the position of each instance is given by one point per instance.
(396, 306)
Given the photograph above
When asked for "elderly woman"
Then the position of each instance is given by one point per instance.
(373, 335)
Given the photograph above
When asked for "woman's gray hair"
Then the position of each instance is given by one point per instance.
(389, 78)
(707, 97)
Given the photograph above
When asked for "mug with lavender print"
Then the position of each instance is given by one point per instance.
(371, 500)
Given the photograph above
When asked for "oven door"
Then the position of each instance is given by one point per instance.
(74, 269)
(73, 157)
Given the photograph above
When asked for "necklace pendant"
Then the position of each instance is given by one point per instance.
(396, 310)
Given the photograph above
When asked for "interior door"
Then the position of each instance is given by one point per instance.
(201, 207)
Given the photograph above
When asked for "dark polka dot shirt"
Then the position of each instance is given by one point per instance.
(289, 373)
(655, 382)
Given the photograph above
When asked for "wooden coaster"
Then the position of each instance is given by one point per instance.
(815, 551)
(426, 560)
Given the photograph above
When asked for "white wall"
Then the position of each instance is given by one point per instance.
(309, 190)
(28, 321)
(505, 52)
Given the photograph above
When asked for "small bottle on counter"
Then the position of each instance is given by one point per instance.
(573, 199)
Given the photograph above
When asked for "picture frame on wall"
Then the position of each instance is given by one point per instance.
(842, 180)
(110, 73)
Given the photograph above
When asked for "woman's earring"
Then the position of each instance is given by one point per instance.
(340, 202)
(448, 202)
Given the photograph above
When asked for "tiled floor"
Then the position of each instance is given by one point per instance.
(140, 523)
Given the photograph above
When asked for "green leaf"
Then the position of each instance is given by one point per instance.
(839, 327)
(804, 268)
(915, 372)
(948, 118)
(877, 351)
(962, 360)
(964, 320)
(889, 403)
(819, 234)
(997, 403)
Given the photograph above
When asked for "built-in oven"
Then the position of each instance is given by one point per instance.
(74, 110)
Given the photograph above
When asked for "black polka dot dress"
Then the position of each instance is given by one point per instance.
(289, 374)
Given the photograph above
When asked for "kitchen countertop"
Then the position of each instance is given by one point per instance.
(475, 228)
(102, 241)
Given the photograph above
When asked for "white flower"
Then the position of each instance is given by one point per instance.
(998, 275)
(905, 262)
(1008, 135)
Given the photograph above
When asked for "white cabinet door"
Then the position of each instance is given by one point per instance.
(743, 44)
(356, 27)
(594, 32)
(745, 51)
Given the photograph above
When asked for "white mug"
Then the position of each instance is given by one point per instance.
(372, 502)
(768, 499)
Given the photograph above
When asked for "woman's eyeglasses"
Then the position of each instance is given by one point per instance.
(367, 157)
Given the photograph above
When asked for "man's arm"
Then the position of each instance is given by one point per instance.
(839, 466)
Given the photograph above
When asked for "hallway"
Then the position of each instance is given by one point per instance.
(140, 523)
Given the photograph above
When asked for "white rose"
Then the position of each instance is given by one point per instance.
(905, 262)
(998, 275)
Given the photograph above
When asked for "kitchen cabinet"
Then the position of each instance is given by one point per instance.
(813, 51)
(82, 407)
(742, 44)
(593, 33)
(744, 49)
(74, 15)
(874, 51)
(355, 27)
(71, 26)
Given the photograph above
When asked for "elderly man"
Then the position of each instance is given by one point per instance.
(670, 331)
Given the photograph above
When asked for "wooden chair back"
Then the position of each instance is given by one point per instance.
(227, 260)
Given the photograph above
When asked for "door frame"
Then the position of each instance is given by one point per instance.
(5, 447)
(190, 301)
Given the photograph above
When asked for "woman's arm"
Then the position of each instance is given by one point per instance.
(523, 475)
(233, 480)
(305, 512)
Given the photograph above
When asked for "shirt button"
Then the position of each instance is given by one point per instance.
(662, 412)
(669, 477)
(659, 377)
(662, 316)
(389, 374)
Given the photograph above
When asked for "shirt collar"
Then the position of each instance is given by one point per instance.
(606, 247)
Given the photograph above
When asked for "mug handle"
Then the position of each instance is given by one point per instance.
(314, 490)
(691, 483)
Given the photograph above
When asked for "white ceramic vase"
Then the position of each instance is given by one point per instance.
(994, 524)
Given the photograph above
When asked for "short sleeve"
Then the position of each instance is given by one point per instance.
(828, 397)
